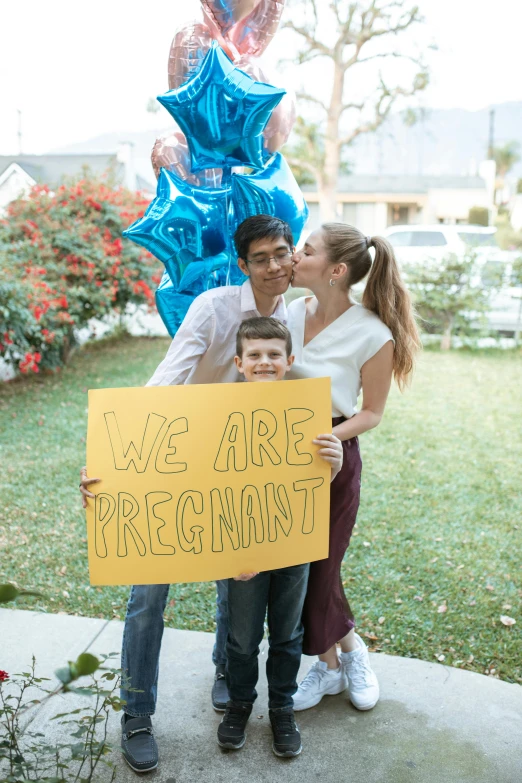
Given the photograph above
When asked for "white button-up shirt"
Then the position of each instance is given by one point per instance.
(204, 346)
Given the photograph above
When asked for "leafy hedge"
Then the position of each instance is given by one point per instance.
(63, 262)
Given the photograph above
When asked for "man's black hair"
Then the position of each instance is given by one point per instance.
(260, 227)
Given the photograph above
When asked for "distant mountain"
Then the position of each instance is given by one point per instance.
(442, 142)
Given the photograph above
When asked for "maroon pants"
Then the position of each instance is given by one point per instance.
(327, 616)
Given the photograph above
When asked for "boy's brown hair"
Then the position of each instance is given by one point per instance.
(263, 328)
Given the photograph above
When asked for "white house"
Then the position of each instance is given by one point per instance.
(19, 173)
(373, 202)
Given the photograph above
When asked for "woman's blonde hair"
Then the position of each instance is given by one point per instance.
(385, 293)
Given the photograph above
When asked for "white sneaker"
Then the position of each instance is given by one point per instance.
(320, 681)
(363, 687)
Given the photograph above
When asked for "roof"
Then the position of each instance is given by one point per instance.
(374, 183)
(461, 227)
(51, 169)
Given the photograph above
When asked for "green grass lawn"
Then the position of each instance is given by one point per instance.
(435, 560)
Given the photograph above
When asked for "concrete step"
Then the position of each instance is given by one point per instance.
(433, 724)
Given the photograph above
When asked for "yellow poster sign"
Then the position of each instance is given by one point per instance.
(206, 482)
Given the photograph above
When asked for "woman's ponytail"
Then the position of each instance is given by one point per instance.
(386, 295)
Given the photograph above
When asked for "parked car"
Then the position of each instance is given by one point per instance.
(414, 244)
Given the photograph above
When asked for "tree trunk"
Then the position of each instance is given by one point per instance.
(519, 324)
(328, 181)
(328, 203)
(445, 343)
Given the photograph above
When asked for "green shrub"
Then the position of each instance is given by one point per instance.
(62, 263)
(479, 216)
(449, 294)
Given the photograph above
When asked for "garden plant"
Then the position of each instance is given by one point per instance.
(82, 754)
(63, 263)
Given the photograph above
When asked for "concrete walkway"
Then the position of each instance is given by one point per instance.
(434, 724)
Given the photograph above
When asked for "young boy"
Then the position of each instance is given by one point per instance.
(264, 353)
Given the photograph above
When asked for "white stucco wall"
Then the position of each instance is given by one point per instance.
(452, 205)
(15, 183)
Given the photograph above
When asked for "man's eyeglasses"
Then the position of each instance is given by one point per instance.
(281, 259)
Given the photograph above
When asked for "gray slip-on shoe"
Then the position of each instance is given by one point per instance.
(138, 744)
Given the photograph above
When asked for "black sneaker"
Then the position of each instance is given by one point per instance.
(287, 739)
(220, 695)
(231, 730)
(138, 744)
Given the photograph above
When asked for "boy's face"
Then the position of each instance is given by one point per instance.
(268, 277)
(264, 360)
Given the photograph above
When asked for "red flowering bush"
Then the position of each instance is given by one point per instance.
(3, 676)
(63, 262)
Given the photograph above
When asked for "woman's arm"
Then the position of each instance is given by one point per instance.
(376, 375)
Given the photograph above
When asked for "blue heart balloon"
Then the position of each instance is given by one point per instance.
(223, 112)
(273, 191)
(183, 223)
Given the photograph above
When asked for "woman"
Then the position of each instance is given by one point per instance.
(358, 346)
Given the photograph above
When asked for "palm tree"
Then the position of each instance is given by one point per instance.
(505, 157)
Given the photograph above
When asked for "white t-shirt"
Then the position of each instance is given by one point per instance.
(338, 352)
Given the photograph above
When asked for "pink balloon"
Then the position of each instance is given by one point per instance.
(171, 152)
(188, 48)
(243, 26)
(223, 15)
(252, 35)
(283, 117)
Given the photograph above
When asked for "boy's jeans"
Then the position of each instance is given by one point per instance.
(283, 592)
(142, 643)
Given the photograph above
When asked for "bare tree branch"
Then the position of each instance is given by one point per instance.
(397, 55)
(334, 5)
(312, 42)
(304, 96)
(404, 22)
(347, 106)
(346, 36)
(316, 16)
(385, 102)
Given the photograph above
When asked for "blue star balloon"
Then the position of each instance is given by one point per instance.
(202, 274)
(171, 305)
(273, 191)
(182, 224)
(223, 112)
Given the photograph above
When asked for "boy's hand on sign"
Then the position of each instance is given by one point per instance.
(84, 483)
(245, 577)
(331, 450)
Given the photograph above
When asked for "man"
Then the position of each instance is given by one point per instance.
(202, 351)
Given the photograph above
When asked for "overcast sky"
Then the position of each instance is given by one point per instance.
(78, 70)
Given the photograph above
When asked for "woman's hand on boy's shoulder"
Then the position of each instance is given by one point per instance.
(331, 450)
(245, 577)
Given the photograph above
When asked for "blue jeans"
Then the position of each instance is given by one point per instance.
(141, 646)
(282, 592)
